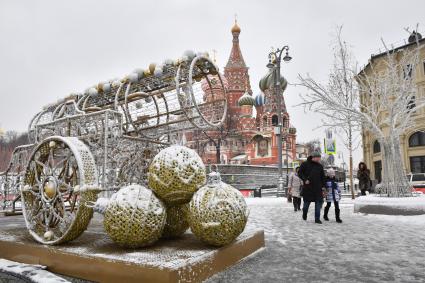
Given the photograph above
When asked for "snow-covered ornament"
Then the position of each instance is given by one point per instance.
(140, 72)
(116, 83)
(175, 173)
(134, 217)
(168, 62)
(176, 223)
(92, 91)
(148, 99)
(190, 54)
(217, 212)
(133, 77)
(106, 87)
(139, 105)
(158, 71)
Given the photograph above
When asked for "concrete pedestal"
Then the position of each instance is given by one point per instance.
(93, 256)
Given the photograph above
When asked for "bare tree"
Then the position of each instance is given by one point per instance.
(341, 91)
(386, 109)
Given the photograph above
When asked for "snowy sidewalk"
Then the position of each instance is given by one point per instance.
(365, 248)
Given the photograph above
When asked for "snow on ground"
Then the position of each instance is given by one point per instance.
(365, 248)
(27, 272)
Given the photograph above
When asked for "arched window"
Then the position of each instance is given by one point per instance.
(376, 147)
(275, 120)
(285, 122)
(417, 139)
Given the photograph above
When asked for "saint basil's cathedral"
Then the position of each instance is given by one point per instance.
(243, 138)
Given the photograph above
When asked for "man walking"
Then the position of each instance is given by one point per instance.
(312, 174)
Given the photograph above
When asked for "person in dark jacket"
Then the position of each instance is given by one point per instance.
(333, 195)
(313, 177)
(363, 174)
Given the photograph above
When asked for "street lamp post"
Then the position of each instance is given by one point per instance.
(274, 79)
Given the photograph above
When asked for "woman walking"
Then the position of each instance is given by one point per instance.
(313, 176)
(295, 186)
(333, 195)
(363, 174)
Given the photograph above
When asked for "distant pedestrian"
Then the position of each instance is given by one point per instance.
(295, 186)
(363, 174)
(333, 195)
(313, 176)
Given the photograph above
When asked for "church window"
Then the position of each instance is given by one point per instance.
(275, 120)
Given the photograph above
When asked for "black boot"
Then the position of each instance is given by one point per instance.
(318, 221)
(304, 215)
(325, 216)
(337, 212)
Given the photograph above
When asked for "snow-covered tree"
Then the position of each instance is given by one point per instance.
(340, 92)
(383, 99)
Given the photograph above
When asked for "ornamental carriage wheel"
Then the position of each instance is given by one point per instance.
(59, 181)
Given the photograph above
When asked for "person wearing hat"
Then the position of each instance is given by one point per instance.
(333, 194)
(313, 176)
(295, 186)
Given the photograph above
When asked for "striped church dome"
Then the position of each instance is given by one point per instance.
(260, 100)
(246, 100)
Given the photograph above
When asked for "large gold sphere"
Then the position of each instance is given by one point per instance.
(217, 213)
(134, 217)
(175, 173)
(176, 223)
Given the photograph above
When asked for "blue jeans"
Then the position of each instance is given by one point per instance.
(317, 207)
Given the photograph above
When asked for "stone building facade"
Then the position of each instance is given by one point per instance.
(412, 143)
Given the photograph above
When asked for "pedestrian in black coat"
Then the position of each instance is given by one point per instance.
(313, 176)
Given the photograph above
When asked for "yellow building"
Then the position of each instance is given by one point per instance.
(412, 142)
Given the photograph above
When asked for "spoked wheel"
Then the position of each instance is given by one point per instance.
(60, 179)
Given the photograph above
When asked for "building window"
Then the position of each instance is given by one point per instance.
(275, 120)
(408, 71)
(417, 139)
(417, 164)
(378, 170)
(411, 103)
(376, 147)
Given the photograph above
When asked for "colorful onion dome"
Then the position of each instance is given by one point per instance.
(246, 100)
(260, 100)
(236, 28)
(267, 82)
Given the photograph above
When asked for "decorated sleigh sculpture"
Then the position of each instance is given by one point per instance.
(104, 139)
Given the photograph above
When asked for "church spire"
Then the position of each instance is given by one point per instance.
(235, 59)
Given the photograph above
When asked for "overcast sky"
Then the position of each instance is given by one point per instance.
(49, 49)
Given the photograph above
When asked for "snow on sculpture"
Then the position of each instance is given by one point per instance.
(391, 99)
(217, 212)
(134, 217)
(103, 139)
(175, 173)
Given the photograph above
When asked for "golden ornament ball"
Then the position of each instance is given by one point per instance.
(217, 212)
(134, 217)
(176, 223)
(175, 174)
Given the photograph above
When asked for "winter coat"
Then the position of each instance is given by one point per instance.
(364, 179)
(295, 184)
(333, 192)
(313, 172)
